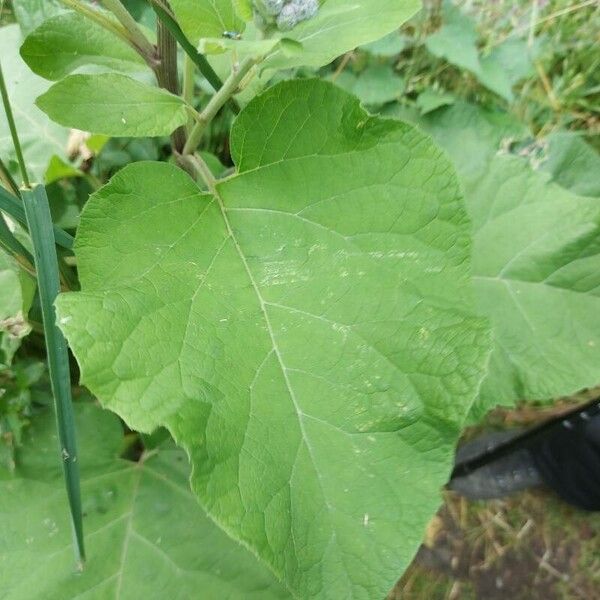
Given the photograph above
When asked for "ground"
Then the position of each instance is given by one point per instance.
(531, 546)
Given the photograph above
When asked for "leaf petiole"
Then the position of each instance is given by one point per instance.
(217, 102)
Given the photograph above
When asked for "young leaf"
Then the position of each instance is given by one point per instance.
(148, 538)
(68, 41)
(40, 138)
(206, 18)
(341, 26)
(113, 105)
(307, 334)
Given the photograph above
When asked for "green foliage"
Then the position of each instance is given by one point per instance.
(148, 537)
(20, 395)
(16, 293)
(374, 86)
(31, 13)
(68, 41)
(113, 104)
(254, 309)
(206, 18)
(308, 313)
(40, 137)
(538, 282)
(341, 26)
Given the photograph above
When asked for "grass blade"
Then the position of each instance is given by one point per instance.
(12, 207)
(39, 220)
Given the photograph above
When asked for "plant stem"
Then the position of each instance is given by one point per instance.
(189, 70)
(134, 33)
(166, 73)
(203, 171)
(39, 220)
(100, 19)
(13, 129)
(166, 17)
(216, 103)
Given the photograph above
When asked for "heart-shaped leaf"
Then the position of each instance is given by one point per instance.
(306, 334)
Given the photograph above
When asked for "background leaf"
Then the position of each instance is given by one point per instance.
(147, 536)
(31, 13)
(114, 105)
(538, 282)
(307, 336)
(40, 137)
(374, 86)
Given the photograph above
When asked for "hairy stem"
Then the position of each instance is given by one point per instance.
(166, 73)
(216, 103)
(165, 15)
(100, 19)
(189, 70)
(134, 33)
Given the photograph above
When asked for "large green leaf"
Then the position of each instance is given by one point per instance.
(113, 104)
(40, 137)
(307, 335)
(68, 41)
(146, 535)
(206, 18)
(537, 274)
(536, 262)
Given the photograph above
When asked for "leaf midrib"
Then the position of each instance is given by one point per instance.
(275, 347)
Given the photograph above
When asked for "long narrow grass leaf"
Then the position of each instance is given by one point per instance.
(39, 221)
(12, 207)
